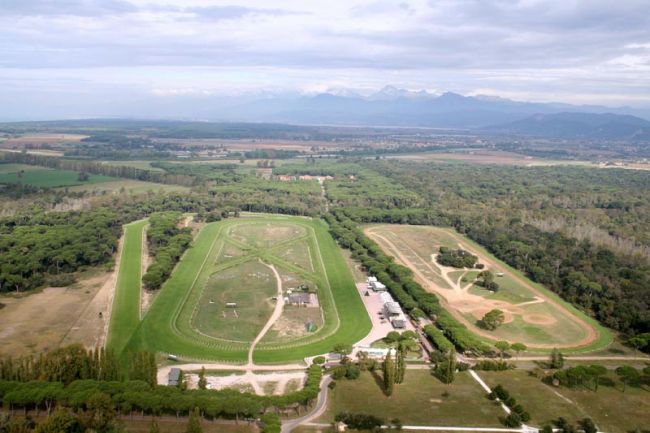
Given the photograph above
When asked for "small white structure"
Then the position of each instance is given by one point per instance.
(385, 297)
(500, 274)
(392, 309)
(375, 285)
(231, 304)
(376, 352)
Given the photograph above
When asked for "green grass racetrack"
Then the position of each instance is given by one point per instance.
(166, 328)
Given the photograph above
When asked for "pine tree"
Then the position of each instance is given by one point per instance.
(389, 374)
(194, 423)
(203, 382)
(401, 366)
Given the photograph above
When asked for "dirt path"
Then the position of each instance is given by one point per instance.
(277, 312)
(321, 182)
(104, 299)
(457, 296)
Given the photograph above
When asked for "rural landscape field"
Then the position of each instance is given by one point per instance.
(304, 217)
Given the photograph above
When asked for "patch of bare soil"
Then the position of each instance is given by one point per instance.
(44, 320)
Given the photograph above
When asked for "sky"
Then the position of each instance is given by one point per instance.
(91, 57)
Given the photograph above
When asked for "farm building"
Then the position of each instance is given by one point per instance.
(392, 309)
(385, 297)
(299, 298)
(375, 285)
(174, 377)
(398, 322)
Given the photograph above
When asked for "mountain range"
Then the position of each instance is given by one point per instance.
(396, 107)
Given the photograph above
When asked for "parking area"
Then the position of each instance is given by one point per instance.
(380, 325)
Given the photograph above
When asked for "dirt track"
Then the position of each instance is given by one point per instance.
(453, 299)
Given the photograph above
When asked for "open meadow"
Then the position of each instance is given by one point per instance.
(45, 177)
(532, 314)
(420, 400)
(239, 276)
(612, 409)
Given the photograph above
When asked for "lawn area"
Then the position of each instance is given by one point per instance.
(45, 177)
(613, 410)
(420, 400)
(250, 285)
(125, 315)
(169, 325)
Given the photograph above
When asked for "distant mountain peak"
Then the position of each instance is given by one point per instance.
(390, 92)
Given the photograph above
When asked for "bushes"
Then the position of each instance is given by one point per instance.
(359, 421)
(488, 365)
(271, 423)
(456, 258)
(518, 414)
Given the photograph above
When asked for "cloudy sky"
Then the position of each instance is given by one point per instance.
(77, 55)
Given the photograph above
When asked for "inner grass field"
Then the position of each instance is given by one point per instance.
(177, 321)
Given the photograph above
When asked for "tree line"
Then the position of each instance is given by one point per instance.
(167, 243)
(138, 396)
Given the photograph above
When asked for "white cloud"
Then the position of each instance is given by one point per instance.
(575, 51)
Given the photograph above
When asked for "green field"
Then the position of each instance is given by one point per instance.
(534, 315)
(420, 400)
(183, 321)
(125, 316)
(613, 410)
(45, 177)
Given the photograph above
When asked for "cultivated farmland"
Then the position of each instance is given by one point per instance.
(533, 315)
(233, 286)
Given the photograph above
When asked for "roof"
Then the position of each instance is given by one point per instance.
(378, 285)
(385, 297)
(393, 308)
(174, 376)
(303, 298)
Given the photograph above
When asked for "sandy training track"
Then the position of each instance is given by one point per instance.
(458, 300)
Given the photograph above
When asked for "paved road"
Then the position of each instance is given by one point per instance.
(318, 410)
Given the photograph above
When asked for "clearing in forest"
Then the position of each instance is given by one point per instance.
(276, 286)
(533, 315)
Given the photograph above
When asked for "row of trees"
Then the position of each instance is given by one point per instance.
(167, 243)
(127, 397)
(518, 414)
(65, 365)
